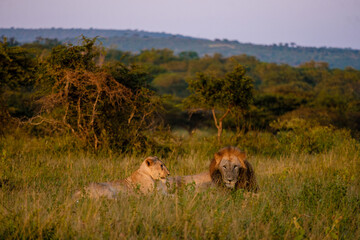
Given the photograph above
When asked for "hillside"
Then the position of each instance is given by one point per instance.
(135, 41)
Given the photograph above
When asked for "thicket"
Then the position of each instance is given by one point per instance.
(73, 92)
(109, 98)
(311, 91)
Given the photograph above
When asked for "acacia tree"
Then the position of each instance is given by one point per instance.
(234, 91)
(99, 105)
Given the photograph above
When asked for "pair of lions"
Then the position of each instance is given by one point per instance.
(229, 169)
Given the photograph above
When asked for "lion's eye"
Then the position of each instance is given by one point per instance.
(224, 167)
(235, 167)
(162, 166)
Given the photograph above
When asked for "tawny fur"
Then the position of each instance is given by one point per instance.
(243, 177)
(201, 180)
(150, 176)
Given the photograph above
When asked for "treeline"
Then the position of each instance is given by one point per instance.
(311, 91)
(111, 98)
(135, 41)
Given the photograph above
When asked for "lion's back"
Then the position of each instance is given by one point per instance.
(200, 180)
(105, 189)
(142, 182)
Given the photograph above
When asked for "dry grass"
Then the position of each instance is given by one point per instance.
(301, 196)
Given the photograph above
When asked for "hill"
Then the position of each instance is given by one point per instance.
(135, 41)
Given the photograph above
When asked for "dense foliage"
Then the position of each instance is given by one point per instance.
(73, 92)
(311, 91)
(109, 96)
(231, 93)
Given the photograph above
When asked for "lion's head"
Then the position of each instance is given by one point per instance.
(230, 168)
(155, 168)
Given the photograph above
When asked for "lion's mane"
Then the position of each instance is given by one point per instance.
(246, 179)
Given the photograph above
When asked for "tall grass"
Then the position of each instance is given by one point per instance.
(302, 195)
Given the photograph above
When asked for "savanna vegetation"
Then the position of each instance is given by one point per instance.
(75, 114)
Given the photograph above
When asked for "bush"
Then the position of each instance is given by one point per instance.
(101, 106)
(302, 136)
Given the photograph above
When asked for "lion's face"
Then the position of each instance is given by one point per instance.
(156, 168)
(230, 169)
(227, 166)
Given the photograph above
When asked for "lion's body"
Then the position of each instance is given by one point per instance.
(230, 168)
(150, 176)
(201, 180)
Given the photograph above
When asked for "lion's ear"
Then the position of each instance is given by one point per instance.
(149, 161)
(217, 157)
(242, 158)
(242, 155)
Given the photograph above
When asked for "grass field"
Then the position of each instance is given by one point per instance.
(302, 196)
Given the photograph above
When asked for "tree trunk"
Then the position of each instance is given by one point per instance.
(219, 132)
(219, 123)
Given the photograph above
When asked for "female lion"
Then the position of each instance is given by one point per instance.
(151, 175)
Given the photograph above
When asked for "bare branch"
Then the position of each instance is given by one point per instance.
(215, 119)
(226, 113)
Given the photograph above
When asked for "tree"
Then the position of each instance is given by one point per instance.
(99, 105)
(234, 91)
(188, 55)
(17, 71)
(156, 56)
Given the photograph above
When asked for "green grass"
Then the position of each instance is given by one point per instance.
(302, 196)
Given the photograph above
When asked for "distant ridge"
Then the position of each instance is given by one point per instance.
(135, 41)
(25, 35)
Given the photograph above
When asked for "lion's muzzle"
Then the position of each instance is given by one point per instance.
(229, 183)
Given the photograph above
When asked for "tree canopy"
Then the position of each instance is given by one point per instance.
(124, 96)
(234, 91)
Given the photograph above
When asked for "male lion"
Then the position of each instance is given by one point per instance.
(150, 175)
(229, 168)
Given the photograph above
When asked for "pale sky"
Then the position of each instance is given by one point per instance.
(330, 23)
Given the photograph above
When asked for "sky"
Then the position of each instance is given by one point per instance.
(318, 23)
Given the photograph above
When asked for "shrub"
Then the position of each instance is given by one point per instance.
(96, 105)
(302, 136)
